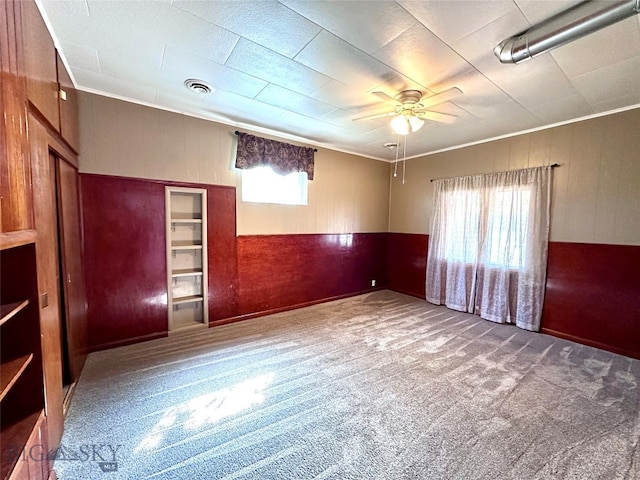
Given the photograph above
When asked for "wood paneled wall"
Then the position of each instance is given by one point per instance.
(591, 295)
(15, 170)
(277, 272)
(125, 260)
(248, 276)
(407, 263)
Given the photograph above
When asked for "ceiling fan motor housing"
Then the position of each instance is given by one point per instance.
(409, 96)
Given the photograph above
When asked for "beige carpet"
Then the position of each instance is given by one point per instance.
(379, 386)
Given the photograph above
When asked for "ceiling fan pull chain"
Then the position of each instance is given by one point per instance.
(404, 158)
(395, 164)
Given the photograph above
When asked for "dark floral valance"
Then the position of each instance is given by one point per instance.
(283, 158)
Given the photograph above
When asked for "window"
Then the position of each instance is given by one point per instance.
(462, 230)
(507, 220)
(507, 227)
(263, 185)
(488, 245)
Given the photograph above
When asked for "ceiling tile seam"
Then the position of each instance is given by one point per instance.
(164, 50)
(310, 21)
(254, 97)
(507, 94)
(464, 59)
(400, 33)
(237, 39)
(526, 17)
(590, 72)
(302, 95)
(234, 69)
(235, 45)
(329, 78)
(565, 75)
(242, 36)
(98, 59)
(361, 51)
(473, 67)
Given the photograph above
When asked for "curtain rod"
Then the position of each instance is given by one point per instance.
(238, 133)
(552, 166)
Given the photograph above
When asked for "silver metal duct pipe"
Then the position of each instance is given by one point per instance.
(576, 22)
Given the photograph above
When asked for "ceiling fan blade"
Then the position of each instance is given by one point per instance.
(386, 98)
(378, 115)
(436, 117)
(439, 98)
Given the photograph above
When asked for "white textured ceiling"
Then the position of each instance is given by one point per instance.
(305, 69)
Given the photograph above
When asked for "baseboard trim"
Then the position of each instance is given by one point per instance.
(590, 343)
(407, 292)
(263, 313)
(127, 341)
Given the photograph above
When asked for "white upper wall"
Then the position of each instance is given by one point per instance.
(596, 189)
(349, 194)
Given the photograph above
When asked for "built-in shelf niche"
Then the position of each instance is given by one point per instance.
(187, 277)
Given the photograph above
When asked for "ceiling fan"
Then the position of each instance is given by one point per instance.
(411, 109)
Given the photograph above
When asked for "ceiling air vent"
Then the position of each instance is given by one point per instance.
(199, 86)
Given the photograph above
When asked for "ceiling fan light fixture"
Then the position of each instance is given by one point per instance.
(416, 123)
(400, 125)
(405, 124)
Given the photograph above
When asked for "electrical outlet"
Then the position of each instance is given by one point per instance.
(373, 283)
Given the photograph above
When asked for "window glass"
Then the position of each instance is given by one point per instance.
(508, 226)
(505, 230)
(263, 185)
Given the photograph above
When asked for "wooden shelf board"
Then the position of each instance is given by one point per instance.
(17, 434)
(10, 309)
(11, 372)
(189, 299)
(186, 220)
(186, 247)
(17, 239)
(186, 273)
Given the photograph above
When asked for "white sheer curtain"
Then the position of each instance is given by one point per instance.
(488, 245)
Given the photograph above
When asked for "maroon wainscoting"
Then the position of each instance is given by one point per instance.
(125, 264)
(125, 257)
(222, 251)
(593, 295)
(277, 272)
(407, 263)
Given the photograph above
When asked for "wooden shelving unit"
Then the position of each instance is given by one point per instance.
(11, 309)
(11, 372)
(21, 378)
(187, 276)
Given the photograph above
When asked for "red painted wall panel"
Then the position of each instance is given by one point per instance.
(125, 257)
(221, 251)
(125, 265)
(276, 271)
(407, 263)
(592, 294)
